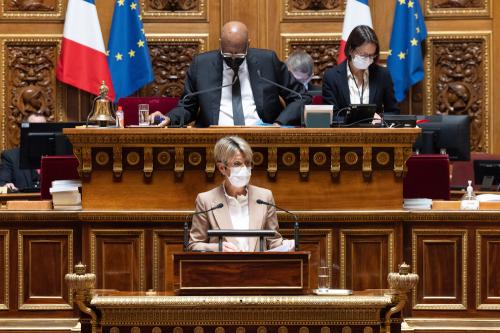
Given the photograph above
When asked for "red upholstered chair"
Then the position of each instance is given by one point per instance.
(130, 106)
(462, 171)
(428, 177)
(317, 100)
(56, 168)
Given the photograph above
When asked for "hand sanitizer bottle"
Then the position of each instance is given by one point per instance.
(469, 200)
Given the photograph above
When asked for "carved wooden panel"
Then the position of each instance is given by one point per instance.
(165, 243)
(487, 269)
(366, 257)
(458, 81)
(117, 259)
(4, 269)
(312, 9)
(32, 9)
(171, 59)
(174, 9)
(440, 259)
(44, 258)
(29, 83)
(324, 50)
(449, 8)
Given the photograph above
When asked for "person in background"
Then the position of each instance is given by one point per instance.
(11, 176)
(301, 65)
(240, 209)
(246, 99)
(359, 79)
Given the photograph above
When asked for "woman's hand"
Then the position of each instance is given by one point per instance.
(165, 121)
(229, 247)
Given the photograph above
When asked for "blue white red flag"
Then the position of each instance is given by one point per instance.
(357, 12)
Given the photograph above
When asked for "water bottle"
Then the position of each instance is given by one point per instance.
(120, 123)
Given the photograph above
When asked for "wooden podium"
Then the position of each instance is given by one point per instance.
(306, 168)
(241, 273)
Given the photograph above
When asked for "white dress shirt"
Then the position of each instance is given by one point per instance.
(240, 218)
(226, 100)
(356, 91)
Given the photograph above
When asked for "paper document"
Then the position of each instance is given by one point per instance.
(287, 246)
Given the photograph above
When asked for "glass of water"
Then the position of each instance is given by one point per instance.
(323, 278)
(143, 114)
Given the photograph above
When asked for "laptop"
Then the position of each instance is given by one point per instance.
(360, 115)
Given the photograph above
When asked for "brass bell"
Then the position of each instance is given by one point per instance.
(102, 108)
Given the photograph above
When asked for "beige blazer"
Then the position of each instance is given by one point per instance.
(261, 217)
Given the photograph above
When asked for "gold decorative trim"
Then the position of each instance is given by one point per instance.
(157, 233)
(202, 39)
(133, 158)
(479, 263)
(459, 13)
(20, 272)
(102, 158)
(289, 38)
(335, 162)
(158, 15)
(117, 161)
(288, 158)
(439, 233)
(351, 158)
(148, 162)
(304, 162)
(179, 162)
(54, 15)
(430, 96)
(5, 234)
(163, 157)
(272, 161)
(449, 324)
(210, 162)
(319, 158)
(365, 232)
(194, 158)
(122, 232)
(367, 162)
(258, 158)
(25, 39)
(383, 158)
(288, 13)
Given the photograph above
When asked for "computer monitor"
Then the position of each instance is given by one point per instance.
(358, 114)
(42, 139)
(487, 173)
(444, 134)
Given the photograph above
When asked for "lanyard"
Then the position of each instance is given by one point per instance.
(362, 89)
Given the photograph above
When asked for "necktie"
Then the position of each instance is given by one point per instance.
(238, 117)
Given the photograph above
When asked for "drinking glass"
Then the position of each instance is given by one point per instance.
(323, 278)
(143, 114)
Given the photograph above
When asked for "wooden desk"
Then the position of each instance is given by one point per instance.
(307, 169)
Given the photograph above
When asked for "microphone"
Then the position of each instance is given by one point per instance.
(279, 85)
(188, 217)
(199, 92)
(295, 225)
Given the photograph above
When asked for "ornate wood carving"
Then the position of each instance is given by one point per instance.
(171, 61)
(30, 85)
(31, 5)
(4, 269)
(447, 8)
(174, 5)
(174, 9)
(457, 4)
(324, 52)
(315, 4)
(460, 84)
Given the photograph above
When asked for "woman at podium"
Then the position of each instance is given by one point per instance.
(233, 204)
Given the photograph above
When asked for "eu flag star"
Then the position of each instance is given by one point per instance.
(402, 55)
(410, 4)
(107, 53)
(131, 53)
(140, 43)
(140, 17)
(414, 42)
(389, 53)
(402, 2)
(121, 2)
(118, 56)
(416, 16)
(418, 30)
(133, 6)
(142, 30)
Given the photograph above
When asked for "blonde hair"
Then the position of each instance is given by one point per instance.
(227, 147)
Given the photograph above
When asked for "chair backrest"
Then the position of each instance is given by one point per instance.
(462, 171)
(428, 177)
(317, 100)
(130, 106)
(62, 167)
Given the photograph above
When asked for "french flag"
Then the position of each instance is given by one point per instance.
(82, 62)
(357, 12)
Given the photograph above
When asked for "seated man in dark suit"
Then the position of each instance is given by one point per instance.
(249, 100)
(301, 65)
(11, 175)
(359, 79)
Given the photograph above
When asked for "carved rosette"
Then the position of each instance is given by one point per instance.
(460, 84)
(323, 49)
(171, 61)
(30, 85)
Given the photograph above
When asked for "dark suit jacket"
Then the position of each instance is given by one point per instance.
(205, 72)
(11, 173)
(336, 88)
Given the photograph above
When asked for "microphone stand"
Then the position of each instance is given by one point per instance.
(186, 223)
(295, 225)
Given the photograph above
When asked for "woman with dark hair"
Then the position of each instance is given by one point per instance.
(359, 79)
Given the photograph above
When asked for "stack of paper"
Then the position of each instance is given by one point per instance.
(418, 203)
(66, 194)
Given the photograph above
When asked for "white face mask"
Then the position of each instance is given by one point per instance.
(240, 176)
(362, 63)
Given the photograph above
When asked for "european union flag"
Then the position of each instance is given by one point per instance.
(405, 55)
(128, 55)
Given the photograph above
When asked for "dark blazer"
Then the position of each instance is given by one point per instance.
(205, 72)
(11, 173)
(336, 88)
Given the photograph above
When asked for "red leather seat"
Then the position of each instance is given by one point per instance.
(428, 177)
(130, 106)
(63, 167)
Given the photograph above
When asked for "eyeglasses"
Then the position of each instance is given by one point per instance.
(238, 164)
(234, 55)
(371, 56)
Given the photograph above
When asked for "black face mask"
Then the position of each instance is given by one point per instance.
(234, 63)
